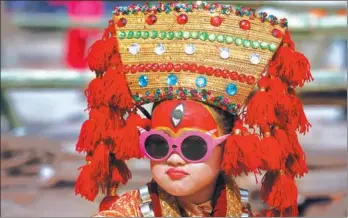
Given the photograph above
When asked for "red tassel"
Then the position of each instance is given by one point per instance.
(279, 190)
(271, 151)
(86, 185)
(288, 212)
(120, 173)
(100, 162)
(107, 202)
(94, 93)
(117, 92)
(241, 152)
(297, 117)
(283, 140)
(296, 161)
(261, 107)
(87, 139)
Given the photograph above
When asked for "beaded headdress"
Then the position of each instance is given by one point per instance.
(210, 53)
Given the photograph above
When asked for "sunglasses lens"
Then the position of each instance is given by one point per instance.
(194, 148)
(156, 146)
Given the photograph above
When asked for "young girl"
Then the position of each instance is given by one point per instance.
(199, 64)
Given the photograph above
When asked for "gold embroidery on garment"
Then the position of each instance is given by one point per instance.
(169, 205)
(234, 204)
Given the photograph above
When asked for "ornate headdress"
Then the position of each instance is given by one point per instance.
(211, 53)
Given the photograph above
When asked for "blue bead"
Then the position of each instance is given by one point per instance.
(231, 89)
(147, 93)
(172, 80)
(143, 80)
(201, 82)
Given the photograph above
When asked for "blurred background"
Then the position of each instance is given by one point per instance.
(44, 74)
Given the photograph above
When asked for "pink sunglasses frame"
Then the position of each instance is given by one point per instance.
(211, 143)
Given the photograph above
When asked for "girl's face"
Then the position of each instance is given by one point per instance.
(180, 178)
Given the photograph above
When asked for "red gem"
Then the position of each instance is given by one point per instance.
(234, 75)
(155, 67)
(148, 67)
(134, 68)
(201, 69)
(141, 68)
(241, 78)
(277, 33)
(216, 21)
(182, 19)
(162, 67)
(170, 67)
(217, 72)
(250, 80)
(193, 68)
(126, 68)
(151, 19)
(244, 24)
(185, 67)
(122, 22)
(177, 67)
(225, 74)
(209, 71)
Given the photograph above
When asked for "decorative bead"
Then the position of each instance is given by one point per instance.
(122, 22)
(134, 69)
(193, 68)
(231, 89)
(216, 20)
(277, 33)
(163, 35)
(155, 67)
(147, 93)
(137, 34)
(217, 72)
(255, 58)
(238, 41)
(263, 45)
(154, 34)
(162, 67)
(250, 80)
(272, 47)
(182, 19)
(140, 68)
(194, 35)
(246, 43)
(177, 67)
(220, 38)
(130, 35)
(143, 81)
(229, 39)
(145, 34)
(170, 35)
(234, 75)
(185, 66)
(225, 74)
(203, 36)
(201, 69)
(245, 25)
(190, 49)
(241, 78)
(170, 67)
(255, 44)
(212, 37)
(122, 35)
(224, 53)
(201, 82)
(126, 69)
(151, 19)
(148, 67)
(160, 49)
(172, 80)
(134, 48)
(178, 34)
(186, 35)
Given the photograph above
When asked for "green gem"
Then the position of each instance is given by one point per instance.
(255, 44)
(246, 43)
(130, 34)
(147, 93)
(163, 35)
(170, 96)
(220, 38)
(238, 41)
(186, 35)
(203, 36)
(136, 98)
(145, 34)
(229, 39)
(212, 37)
(195, 35)
(272, 47)
(170, 35)
(263, 45)
(178, 34)
(216, 103)
(154, 34)
(137, 34)
(122, 35)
